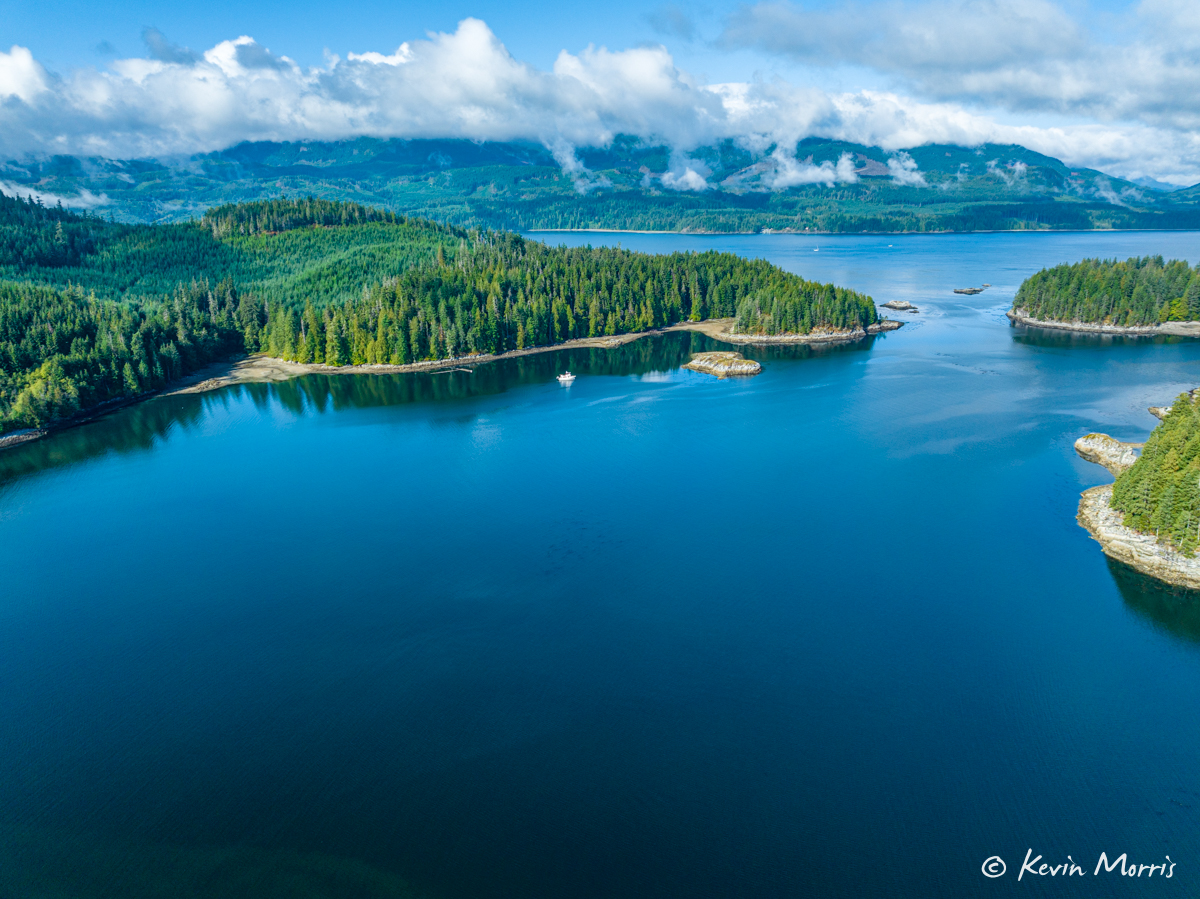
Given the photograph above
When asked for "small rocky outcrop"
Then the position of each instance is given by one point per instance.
(899, 306)
(723, 365)
(970, 291)
(1113, 454)
(16, 438)
(1160, 412)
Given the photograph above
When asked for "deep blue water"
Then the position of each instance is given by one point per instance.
(830, 631)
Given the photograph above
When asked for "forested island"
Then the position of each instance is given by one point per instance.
(94, 312)
(1149, 518)
(1145, 295)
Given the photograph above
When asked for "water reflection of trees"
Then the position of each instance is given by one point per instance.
(140, 427)
(1172, 609)
(135, 428)
(1057, 338)
(665, 352)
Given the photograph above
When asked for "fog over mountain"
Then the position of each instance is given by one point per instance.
(957, 73)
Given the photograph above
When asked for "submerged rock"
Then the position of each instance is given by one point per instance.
(1108, 451)
(723, 365)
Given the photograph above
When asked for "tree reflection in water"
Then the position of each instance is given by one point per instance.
(1172, 609)
(140, 427)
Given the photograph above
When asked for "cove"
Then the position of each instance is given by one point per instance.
(830, 631)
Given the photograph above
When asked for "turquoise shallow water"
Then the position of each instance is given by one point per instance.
(831, 631)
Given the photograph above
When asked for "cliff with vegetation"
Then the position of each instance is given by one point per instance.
(92, 312)
(1149, 517)
(1140, 295)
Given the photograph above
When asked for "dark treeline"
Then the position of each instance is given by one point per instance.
(273, 216)
(123, 310)
(1140, 291)
(35, 235)
(323, 264)
(856, 211)
(1160, 494)
(506, 293)
(62, 351)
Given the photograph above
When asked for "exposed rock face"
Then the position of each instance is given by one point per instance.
(1137, 550)
(723, 365)
(899, 306)
(1106, 525)
(18, 437)
(722, 329)
(969, 291)
(1108, 451)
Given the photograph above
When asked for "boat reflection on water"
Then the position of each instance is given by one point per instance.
(1174, 610)
(141, 427)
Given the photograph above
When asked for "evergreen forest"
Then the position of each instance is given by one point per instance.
(625, 186)
(1160, 493)
(93, 312)
(1140, 291)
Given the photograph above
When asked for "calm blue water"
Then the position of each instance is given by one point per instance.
(831, 631)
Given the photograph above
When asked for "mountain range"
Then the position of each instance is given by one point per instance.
(823, 186)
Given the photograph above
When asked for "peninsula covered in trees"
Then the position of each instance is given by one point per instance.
(92, 311)
(1149, 518)
(1160, 492)
(1141, 293)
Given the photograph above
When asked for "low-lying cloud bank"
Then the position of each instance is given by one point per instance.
(466, 84)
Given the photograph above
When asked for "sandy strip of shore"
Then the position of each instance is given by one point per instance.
(257, 369)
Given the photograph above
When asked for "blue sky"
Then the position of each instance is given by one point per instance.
(1112, 85)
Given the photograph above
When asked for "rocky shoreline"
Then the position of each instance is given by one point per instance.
(1160, 412)
(1175, 329)
(722, 329)
(259, 368)
(1113, 454)
(1139, 551)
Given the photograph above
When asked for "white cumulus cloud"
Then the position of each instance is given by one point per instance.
(466, 84)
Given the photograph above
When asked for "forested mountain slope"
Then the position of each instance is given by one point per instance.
(824, 185)
(92, 311)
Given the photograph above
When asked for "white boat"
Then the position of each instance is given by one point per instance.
(566, 378)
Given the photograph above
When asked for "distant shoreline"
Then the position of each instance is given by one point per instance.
(260, 368)
(771, 232)
(1173, 329)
